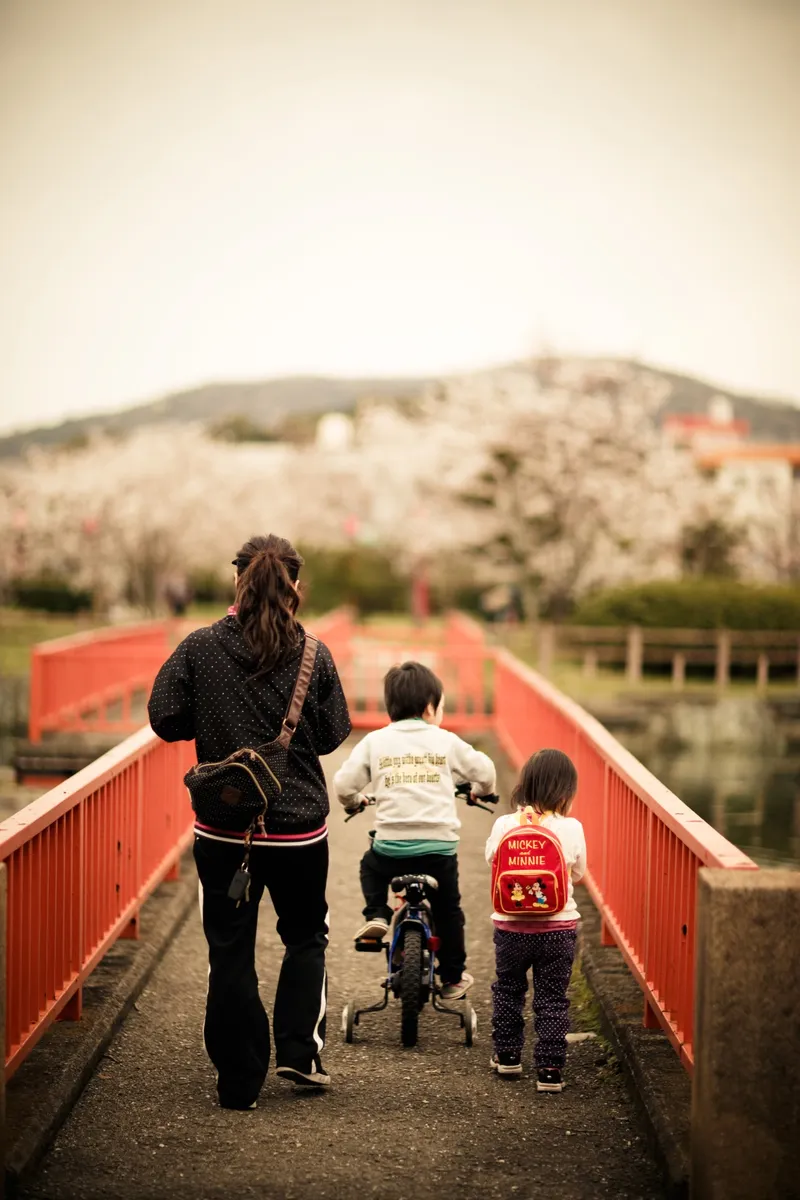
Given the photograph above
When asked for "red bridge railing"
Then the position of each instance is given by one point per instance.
(90, 681)
(82, 859)
(80, 862)
(455, 650)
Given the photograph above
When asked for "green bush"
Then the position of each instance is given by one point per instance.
(361, 576)
(693, 604)
(51, 595)
(209, 587)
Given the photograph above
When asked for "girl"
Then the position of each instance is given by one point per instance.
(228, 686)
(543, 943)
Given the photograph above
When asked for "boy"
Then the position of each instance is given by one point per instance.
(412, 767)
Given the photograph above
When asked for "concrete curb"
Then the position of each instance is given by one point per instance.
(44, 1090)
(660, 1085)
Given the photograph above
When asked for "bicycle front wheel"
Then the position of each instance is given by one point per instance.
(411, 986)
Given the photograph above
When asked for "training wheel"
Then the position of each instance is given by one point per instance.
(348, 1020)
(470, 1024)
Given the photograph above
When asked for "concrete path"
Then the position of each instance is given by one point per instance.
(396, 1124)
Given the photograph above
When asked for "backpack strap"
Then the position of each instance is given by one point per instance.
(292, 718)
(529, 816)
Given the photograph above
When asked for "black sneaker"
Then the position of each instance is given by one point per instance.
(548, 1079)
(316, 1077)
(505, 1063)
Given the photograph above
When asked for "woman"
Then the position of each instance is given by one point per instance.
(229, 686)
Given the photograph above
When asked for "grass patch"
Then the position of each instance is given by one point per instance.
(584, 1015)
(21, 630)
(584, 1011)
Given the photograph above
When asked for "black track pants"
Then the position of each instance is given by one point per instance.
(236, 1026)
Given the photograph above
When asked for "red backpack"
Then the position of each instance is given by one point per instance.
(529, 874)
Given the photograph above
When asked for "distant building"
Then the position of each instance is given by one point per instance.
(758, 480)
(334, 433)
(715, 430)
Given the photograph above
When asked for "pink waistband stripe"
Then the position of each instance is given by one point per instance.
(261, 837)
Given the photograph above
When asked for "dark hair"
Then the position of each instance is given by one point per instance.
(409, 689)
(548, 783)
(266, 598)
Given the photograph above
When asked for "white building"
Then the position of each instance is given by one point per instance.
(334, 433)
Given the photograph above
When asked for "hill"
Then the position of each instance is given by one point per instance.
(264, 404)
(267, 403)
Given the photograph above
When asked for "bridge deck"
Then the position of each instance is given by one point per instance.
(427, 1122)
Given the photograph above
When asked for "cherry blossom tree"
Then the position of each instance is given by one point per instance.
(568, 480)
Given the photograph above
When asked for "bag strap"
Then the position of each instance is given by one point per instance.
(529, 816)
(292, 718)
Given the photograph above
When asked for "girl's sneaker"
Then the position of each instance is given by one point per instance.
(506, 1064)
(548, 1079)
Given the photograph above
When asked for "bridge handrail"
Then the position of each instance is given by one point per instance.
(140, 631)
(118, 661)
(81, 860)
(645, 846)
(712, 847)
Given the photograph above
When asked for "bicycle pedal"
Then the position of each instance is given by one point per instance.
(369, 945)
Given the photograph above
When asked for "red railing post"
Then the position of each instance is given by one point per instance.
(36, 696)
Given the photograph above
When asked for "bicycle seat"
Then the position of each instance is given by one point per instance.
(401, 882)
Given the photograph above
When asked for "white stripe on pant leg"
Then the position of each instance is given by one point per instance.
(324, 998)
(200, 898)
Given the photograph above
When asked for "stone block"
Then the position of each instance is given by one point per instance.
(745, 1142)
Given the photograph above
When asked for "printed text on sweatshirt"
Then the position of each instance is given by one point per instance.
(412, 768)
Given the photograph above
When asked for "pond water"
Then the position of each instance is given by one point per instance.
(752, 798)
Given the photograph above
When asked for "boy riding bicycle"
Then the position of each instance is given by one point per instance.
(412, 767)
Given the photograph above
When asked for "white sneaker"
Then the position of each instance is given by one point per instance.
(316, 1077)
(376, 928)
(457, 991)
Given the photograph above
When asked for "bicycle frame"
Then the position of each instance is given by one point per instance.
(411, 913)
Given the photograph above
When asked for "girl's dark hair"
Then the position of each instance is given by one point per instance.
(409, 689)
(548, 783)
(266, 598)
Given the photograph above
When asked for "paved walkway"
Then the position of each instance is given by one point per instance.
(396, 1124)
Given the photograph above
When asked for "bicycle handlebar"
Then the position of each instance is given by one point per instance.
(464, 790)
(357, 811)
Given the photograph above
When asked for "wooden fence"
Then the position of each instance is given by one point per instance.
(636, 648)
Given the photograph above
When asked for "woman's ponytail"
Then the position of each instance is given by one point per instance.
(267, 599)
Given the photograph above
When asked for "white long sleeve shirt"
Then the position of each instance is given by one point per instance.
(569, 832)
(412, 768)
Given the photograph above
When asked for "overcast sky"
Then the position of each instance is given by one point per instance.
(197, 190)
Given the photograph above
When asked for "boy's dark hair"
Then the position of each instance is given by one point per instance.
(409, 689)
(548, 783)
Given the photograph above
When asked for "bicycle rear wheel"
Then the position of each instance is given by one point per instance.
(411, 986)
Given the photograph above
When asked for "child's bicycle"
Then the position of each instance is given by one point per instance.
(410, 949)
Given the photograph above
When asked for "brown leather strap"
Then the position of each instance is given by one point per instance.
(290, 721)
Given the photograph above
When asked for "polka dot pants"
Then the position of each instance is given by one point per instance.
(549, 956)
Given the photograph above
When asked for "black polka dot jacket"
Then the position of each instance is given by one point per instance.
(206, 690)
